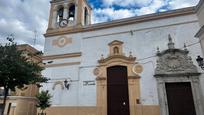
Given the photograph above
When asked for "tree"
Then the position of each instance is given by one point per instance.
(17, 70)
(43, 101)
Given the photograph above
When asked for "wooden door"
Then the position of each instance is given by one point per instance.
(117, 91)
(180, 99)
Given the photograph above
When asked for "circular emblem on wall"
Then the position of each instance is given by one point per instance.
(137, 69)
(62, 41)
(96, 72)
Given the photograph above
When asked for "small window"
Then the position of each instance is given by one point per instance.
(85, 16)
(60, 13)
(71, 12)
(116, 50)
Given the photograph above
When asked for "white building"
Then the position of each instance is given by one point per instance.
(135, 66)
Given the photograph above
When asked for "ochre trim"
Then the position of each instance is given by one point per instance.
(101, 78)
(115, 42)
(61, 41)
(58, 83)
(93, 110)
(22, 106)
(62, 64)
(30, 50)
(116, 48)
(121, 22)
(27, 48)
(134, 77)
(72, 110)
(61, 56)
(114, 57)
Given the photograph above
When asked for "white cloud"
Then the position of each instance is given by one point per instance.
(146, 3)
(175, 4)
(109, 13)
(22, 18)
(144, 7)
(126, 3)
(152, 8)
(102, 15)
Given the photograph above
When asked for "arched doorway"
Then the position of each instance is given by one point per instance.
(118, 86)
(117, 91)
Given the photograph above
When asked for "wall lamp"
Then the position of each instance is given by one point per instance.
(200, 62)
(49, 62)
(67, 83)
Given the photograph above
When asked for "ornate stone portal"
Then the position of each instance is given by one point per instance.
(175, 66)
(117, 58)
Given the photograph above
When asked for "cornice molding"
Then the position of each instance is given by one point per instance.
(200, 32)
(19, 97)
(62, 64)
(85, 1)
(201, 2)
(120, 57)
(177, 74)
(122, 22)
(61, 56)
(27, 48)
(30, 49)
(115, 42)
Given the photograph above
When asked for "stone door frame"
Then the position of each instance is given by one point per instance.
(174, 65)
(195, 85)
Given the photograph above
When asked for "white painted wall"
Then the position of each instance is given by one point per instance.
(74, 47)
(147, 36)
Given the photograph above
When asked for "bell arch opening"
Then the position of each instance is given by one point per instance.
(60, 13)
(71, 12)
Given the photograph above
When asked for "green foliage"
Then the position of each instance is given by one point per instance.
(43, 100)
(17, 70)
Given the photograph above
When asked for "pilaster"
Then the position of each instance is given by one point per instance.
(79, 12)
(54, 18)
(50, 24)
(66, 10)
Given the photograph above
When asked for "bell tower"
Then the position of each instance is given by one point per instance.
(67, 14)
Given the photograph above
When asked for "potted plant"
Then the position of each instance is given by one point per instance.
(43, 101)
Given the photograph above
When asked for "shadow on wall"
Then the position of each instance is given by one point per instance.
(1, 107)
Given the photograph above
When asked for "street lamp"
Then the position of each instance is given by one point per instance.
(200, 62)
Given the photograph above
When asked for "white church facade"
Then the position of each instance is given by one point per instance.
(135, 66)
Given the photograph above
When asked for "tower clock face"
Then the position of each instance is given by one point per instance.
(63, 23)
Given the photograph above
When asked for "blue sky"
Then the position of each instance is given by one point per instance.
(22, 17)
(107, 10)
